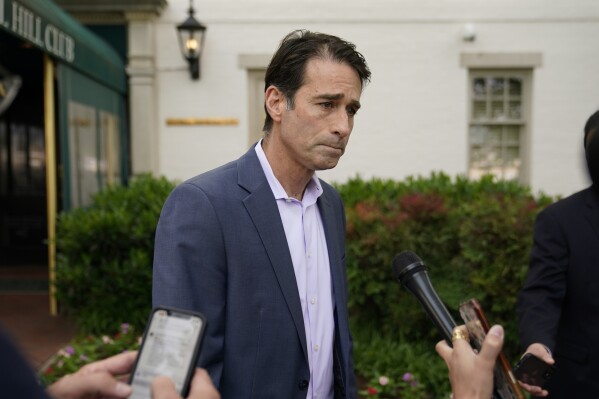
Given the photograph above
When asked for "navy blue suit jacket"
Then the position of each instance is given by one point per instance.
(221, 250)
(559, 303)
(17, 379)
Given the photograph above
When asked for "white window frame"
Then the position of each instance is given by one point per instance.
(519, 65)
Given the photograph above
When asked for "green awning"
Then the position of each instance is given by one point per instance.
(44, 25)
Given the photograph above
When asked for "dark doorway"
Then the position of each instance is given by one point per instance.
(23, 223)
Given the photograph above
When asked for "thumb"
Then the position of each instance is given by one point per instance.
(83, 385)
(163, 388)
(492, 345)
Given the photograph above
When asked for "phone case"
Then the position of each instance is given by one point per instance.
(196, 350)
(477, 325)
(532, 370)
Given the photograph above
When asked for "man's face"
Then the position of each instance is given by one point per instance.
(315, 132)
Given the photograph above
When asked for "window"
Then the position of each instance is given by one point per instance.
(497, 129)
(255, 65)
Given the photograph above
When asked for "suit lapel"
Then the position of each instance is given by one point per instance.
(262, 207)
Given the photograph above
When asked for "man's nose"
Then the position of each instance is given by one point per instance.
(342, 123)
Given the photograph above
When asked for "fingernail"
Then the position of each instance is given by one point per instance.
(123, 389)
(496, 330)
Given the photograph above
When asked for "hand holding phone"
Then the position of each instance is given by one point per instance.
(170, 347)
(532, 370)
(477, 325)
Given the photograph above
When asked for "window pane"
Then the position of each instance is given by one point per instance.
(512, 155)
(477, 135)
(511, 136)
(515, 87)
(479, 110)
(479, 87)
(495, 136)
(497, 111)
(515, 110)
(496, 85)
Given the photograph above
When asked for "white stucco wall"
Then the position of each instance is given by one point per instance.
(414, 117)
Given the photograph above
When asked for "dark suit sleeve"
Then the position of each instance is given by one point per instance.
(190, 267)
(540, 300)
(17, 380)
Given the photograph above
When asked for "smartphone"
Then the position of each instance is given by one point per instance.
(532, 370)
(505, 384)
(170, 347)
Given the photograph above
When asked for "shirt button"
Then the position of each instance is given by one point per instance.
(313, 300)
(316, 348)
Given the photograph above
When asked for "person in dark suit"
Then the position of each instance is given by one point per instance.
(258, 245)
(558, 306)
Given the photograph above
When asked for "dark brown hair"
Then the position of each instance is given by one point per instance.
(592, 126)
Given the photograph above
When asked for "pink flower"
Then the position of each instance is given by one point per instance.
(407, 377)
(383, 380)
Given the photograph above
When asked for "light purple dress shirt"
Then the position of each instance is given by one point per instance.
(310, 256)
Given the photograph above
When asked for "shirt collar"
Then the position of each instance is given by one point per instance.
(313, 189)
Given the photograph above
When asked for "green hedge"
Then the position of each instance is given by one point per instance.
(104, 255)
(475, 237)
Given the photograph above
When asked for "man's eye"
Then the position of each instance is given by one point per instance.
(327, 105)
(352, 111)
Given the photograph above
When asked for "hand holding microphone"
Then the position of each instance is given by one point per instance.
(411, 272)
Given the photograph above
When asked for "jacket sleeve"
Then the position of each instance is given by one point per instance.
(190, 267)
(540, 300)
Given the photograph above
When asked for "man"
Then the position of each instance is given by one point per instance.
(99, 379)
(258, 245)
(558, 306)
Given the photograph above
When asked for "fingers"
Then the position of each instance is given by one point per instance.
(163, 388)
(534, 390)
(460, 333)
(459, 338)
(79, 385)
(115, 365)
(444, 350)
(540, 351)
(202, 387)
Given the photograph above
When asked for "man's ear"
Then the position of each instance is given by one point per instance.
(275, 102)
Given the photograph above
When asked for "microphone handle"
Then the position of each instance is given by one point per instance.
(420, 285)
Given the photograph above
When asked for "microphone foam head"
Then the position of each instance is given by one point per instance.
(406, 263)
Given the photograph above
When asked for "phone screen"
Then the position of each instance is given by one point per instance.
(169, 348)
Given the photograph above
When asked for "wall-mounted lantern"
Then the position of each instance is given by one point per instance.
(191, 40)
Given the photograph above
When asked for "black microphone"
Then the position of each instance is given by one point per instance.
(411, 273)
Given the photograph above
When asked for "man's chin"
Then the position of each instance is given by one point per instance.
(327, 165)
